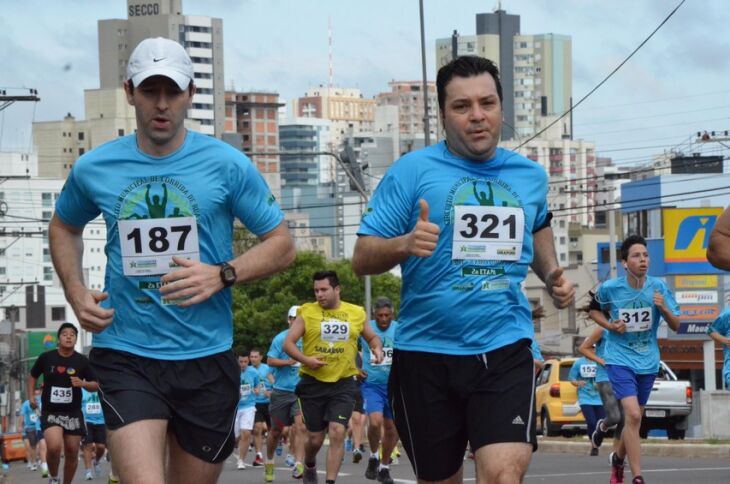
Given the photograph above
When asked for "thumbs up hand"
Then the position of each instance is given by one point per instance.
(560, 288)
(425, 235)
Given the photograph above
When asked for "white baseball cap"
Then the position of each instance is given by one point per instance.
(160, 57)
(293, 311)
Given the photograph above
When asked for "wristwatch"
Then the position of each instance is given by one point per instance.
(228, 274)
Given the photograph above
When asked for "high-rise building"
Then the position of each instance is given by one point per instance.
(535, 70)
(201, 36)
(301, 140)
(407, 96)
(347, 109)
(252, 125)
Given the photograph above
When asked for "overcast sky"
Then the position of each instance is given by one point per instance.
(675, 85)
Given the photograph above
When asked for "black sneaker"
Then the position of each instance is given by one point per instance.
(384, 476)
(594, 451)
(372, 471)
(598, 434)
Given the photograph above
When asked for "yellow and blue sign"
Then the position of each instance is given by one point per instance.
(686, 237)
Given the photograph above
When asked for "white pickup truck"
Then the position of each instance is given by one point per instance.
(669, 405)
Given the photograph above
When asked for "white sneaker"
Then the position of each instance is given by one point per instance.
(97, 468)
(241, 465)
(89, 476)
(33, 467)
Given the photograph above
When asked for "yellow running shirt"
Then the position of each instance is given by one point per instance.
(331, 335)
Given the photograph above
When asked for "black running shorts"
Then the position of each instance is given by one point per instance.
(199, 397)
(442, 402)
(262, 414)
(323, 402)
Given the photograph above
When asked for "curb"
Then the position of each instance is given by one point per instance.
(652, 449)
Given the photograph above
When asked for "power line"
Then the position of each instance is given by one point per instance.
(572, 108)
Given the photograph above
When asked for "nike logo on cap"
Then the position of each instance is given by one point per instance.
(158, 60)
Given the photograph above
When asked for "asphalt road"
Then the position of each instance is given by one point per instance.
(547, 468)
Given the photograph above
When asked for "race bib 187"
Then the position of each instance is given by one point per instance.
(148, 245)
(488, 233)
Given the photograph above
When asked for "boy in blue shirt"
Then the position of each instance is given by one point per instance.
(635, 303)
(583, 376)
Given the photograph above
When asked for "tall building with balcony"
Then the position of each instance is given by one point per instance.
(301, 142)
(202, 38)
(252, 125)
(407, 97)
(535, 70)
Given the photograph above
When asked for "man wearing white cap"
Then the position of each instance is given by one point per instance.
(284, 408)
(163, 324)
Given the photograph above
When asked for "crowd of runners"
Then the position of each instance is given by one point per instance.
(164, 394)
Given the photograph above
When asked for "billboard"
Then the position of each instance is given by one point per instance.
(695, 282)
(686, 237)
(696, 297)
(699, 313)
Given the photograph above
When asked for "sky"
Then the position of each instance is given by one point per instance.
(675, 85)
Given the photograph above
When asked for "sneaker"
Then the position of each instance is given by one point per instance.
(617, 469)
(258, 461)
(598, 434)
(348, 445)
(638, 480)
(394, 456)
(53, 480)
(112, 479)
(310, 475)
(594, 451)
(34, 467)
(88, 475)
(279, 449)
(44, 472)
(372, 471)
(356, 456)
(30, 466)
(269, 472)
(384, 475)
(298, 471)
(289, 460)
(97, 468)
(240, 465)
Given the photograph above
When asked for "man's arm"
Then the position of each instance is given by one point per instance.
(376, 346)
(67, 249)
(545, 265)
(278, 362)
(720, 338)
(599, 317)
(30, 389)
(296, 331)
(718, 251)
(374, 255)
(195, 281)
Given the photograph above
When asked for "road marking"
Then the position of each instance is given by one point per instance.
(684, 469)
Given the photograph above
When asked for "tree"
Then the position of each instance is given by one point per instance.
(260, 307)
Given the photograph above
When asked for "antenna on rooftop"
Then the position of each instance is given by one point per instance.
(329, 32)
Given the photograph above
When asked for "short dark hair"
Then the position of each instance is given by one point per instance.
(382, 302)
(64, 326)
(465, 66)
(329, 275)
(257, 350)
(628, 242)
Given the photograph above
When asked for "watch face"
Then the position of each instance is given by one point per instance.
(229, 274)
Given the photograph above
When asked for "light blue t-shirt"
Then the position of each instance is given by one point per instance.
(91, 406)
(249, 381)
(601, 373)
(285, 377)
(264, 384)
(31, 420)
(636, 350)
(457, 304)
(722, 326)
(585, 370)
(378, 374)
(205, 179)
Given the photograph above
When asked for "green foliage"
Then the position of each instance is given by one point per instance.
(260, 308)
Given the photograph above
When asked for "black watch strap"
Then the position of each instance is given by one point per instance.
(228, 274)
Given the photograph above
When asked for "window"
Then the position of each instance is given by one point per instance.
(120, 132)
(46, 199)
(58, 314)
(81, 136)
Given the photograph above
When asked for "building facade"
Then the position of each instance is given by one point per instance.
(407, 96)
(202, 38)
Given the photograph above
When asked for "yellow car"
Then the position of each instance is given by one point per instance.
(556, 400)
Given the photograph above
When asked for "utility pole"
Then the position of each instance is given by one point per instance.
(6, 100)
(426, 121)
